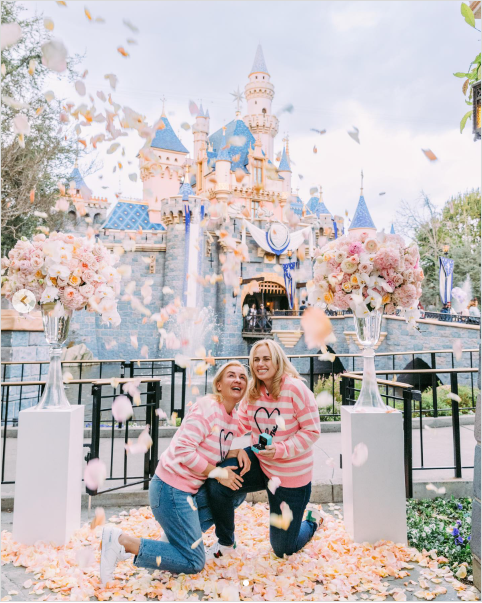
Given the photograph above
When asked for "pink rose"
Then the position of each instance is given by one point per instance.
(69, 293)
(371, 245)
(355, 248)
(88, 276)
(86, 291)
(25, 266)
(39, 237)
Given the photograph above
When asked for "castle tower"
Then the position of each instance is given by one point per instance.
(284, 169)
(362, 221)
(259, 94)
(95, 208)
(200, 131)
(160, 167)
(223, 170)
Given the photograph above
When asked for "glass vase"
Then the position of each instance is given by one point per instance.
(56, 318)
(368, 333)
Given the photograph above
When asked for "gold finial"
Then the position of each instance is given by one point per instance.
(163, 114)
(361, 190)
(320, 189)
(286, 140)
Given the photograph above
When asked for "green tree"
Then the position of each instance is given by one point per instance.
(457, 225)
(50, 149)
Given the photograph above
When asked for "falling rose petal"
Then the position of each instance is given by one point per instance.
(21, 125)
(134, 342)
(284, 520)
(67, 377)
(280, 422)
(230, 593)
(219, 472)
(131, 26)
(174, 419)
(158, 560)
(185, 125)
(193, 108)
(122, 51)
(429, 154)
(145, 351)
(54, 55)
(182, 361)
(330, 462)
(10, 34)
(167, 290)
(80, 87)
(452, 396)
(215, 338)
(48, 24)
(161, 414)
(95, 474)
(133, 177)
(461, 572)
(99, 518)
(360, 455)
(113, 147)
(195, 544)
(191, 503)
(273, 484)
(122, 409)
(317, 327)
(457, 349)
(324, 399)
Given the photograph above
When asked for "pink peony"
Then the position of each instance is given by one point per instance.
(386, 258)
(355, 248)
(25, 266)
(340, 301)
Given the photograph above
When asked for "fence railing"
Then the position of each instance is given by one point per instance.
(407, 399)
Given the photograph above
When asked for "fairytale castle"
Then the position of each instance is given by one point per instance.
(232, 183)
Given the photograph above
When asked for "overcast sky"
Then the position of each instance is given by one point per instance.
(384, 67)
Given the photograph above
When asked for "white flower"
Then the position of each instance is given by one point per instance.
(104, 291)
(111, 318)
(378, 281)
(340, 256)
(49, 295)
(59, 271)
(348, 266)
(374, 298)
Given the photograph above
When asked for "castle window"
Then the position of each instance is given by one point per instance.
(256, 76)
(175, 159)
(255, 102)
(167, 158)
(254, 210)
(258, 171)
(263, 111)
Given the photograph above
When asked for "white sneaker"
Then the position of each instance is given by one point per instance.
(111, 553)
(314, 515)
(218, 550)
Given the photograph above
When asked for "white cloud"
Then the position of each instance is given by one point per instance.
(351, 18)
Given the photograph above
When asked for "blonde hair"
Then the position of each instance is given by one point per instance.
(280, 361)
(220, 372)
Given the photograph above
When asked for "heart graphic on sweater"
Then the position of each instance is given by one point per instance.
(222, 444)
(268, 415)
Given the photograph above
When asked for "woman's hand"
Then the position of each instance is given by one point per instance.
(268, 452)
(233, 481)
(243, 460)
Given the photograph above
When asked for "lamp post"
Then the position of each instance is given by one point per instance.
(476, 110)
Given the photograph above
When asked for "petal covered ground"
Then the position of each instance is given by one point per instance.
(331, 567)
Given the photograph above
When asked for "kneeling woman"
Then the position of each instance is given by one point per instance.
(281, 405)
(199, 445)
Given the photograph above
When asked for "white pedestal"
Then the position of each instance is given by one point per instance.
(48, 480)
(374, 493)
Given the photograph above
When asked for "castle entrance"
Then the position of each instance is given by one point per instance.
(271, 295)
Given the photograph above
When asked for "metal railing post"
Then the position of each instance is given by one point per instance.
(434, 386)
(149, 421)
(343, 391)
(408, 396)
(95, 436)
(173, 384)
(155, 427)
(183, 394)
(312, 376)
(456, 426)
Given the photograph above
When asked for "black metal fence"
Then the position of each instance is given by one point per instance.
(410, 400)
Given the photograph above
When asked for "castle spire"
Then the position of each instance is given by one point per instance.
(362, 219)
(259, 64)
(223, 153)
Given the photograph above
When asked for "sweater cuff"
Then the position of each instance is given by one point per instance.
(200, 465)
(279, 450)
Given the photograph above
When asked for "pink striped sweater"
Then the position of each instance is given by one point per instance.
(293, 460)
(205, 436)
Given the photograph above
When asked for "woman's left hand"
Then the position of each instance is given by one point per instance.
(244, 462)
(268, 452)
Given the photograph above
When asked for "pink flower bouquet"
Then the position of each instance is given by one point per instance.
(76, 271)
(363, 271)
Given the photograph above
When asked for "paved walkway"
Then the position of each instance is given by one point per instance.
(437, 444)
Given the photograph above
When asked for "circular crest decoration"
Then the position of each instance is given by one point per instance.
(24, 301)
(278, 237)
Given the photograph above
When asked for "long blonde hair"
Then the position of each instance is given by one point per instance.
(282, 364)
(219, 375)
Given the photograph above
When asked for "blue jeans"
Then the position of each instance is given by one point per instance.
(284, 542)
(182, 526)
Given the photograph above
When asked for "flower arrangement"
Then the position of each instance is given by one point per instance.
(76, 271)
(363, 271)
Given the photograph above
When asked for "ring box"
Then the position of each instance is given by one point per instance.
(264, 440)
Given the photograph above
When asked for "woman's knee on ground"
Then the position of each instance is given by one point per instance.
(197, 560)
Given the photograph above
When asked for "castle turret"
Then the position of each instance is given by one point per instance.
(284, 169)
(160, 167)
(259, 94)
(392, 230)
(362, 219)
(223, 170)
(200, 131)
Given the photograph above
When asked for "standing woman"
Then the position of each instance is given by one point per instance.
(176, 494)
(279, 404)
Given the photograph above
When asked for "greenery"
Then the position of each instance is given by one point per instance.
(457, 224)
(31, 173)
(444, 402)
(473, 73)
(443, 526)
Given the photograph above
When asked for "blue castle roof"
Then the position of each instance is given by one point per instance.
(317, 206)
(185, 190)
(223, 153)
(362, 218)
(392, 230)
(259, 64)
(284, 165)
(297, 206)
(238, 155)
(130, 216)
(77, 177)
(167, 140)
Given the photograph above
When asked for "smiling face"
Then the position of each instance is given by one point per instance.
(233, 383)
(263, 365)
